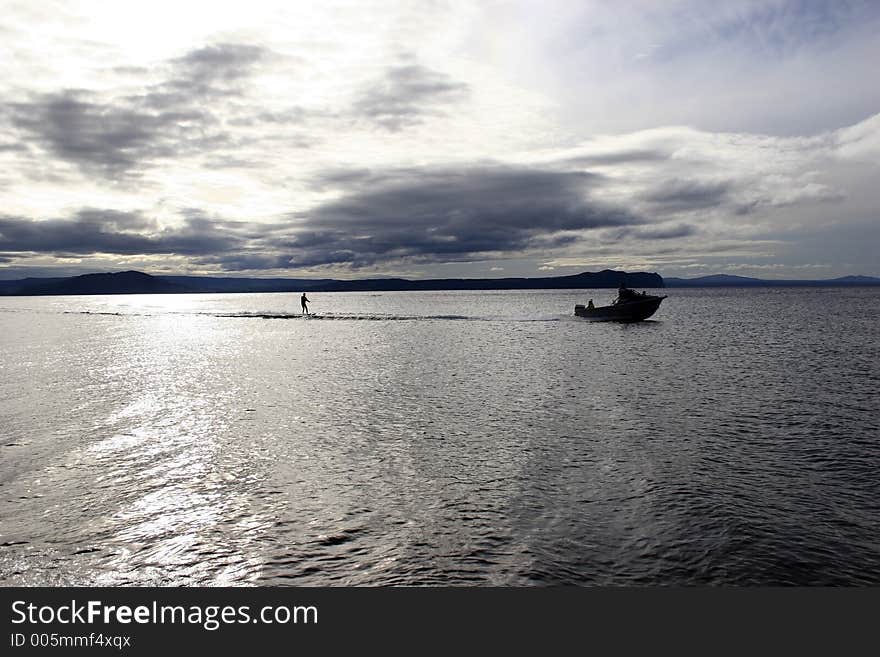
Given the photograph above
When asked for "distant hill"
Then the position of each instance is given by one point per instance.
(16, 286)
(126, 282)
(725, 280)
(715, 279)
(857, 280)
(133, 282)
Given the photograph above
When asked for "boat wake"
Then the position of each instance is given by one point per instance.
(381, 317)
(345, 317)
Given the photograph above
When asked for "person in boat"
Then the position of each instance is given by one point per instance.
(625, 294)
(590, 304)
(303, 301)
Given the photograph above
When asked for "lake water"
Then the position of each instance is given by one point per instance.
(440, 439)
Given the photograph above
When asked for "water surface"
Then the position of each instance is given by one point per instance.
(437, 438)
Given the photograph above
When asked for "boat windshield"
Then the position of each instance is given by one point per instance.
(624, 294)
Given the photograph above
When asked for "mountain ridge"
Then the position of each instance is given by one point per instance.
(133, 282)
(730, 280)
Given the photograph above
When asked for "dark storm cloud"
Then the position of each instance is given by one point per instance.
(176, 117)
(106, 231)
(448, 214)
(682, 195)
(406, 94)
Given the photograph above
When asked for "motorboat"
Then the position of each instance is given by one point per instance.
(629, 306)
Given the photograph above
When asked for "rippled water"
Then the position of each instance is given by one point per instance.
(440, 438)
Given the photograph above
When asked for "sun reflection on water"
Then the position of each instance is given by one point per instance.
(165, 450)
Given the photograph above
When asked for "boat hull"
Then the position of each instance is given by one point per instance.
(631, 311)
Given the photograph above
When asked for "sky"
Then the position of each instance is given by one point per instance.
(440, 138)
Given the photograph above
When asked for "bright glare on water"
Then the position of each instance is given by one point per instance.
(440, 438)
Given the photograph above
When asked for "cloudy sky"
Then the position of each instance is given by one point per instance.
(440, 138)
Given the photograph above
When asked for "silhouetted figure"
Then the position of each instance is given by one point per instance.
(625, 294)
(303, 301)
(590, 305)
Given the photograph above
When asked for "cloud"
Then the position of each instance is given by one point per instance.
(683, 188)
(657, 232)
(781, 67)
(121, 135)
(92, 231)
(206, 66)
(447, 213)
(406, 94)
(245, 261)
(619, 157)
(103, 138)
(439, 214)
(685, 195)
(716, 177)
(211, 73)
